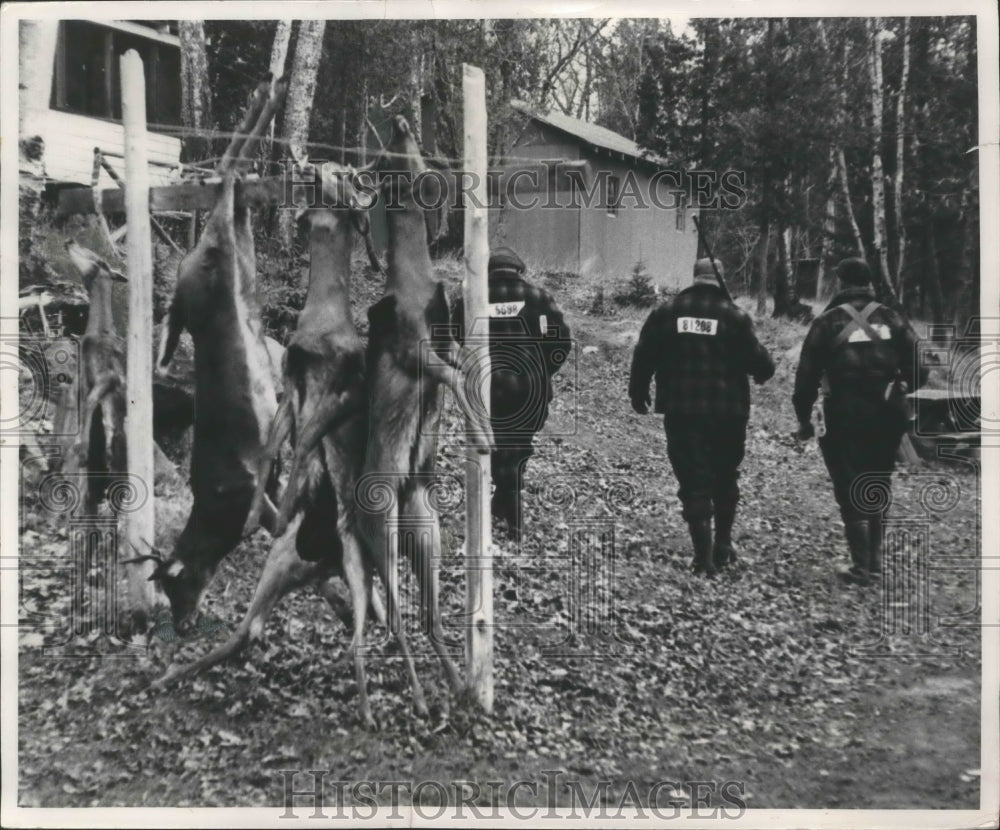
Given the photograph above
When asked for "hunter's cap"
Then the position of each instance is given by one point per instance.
(854, 271)
(504, 260)
(703, 271)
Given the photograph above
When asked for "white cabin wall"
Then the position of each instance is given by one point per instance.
(69, 138)
(70, 141)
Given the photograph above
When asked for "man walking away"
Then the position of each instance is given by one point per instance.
(864, 357)
(701, 348)
(529, 343)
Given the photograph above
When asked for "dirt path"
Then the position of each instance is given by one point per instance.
(631, 671)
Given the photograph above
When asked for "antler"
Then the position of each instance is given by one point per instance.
(153, 554)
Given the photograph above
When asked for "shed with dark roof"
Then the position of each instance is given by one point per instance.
(600, 206)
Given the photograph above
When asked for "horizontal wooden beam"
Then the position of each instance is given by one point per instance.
(254, 194)
(534, 177)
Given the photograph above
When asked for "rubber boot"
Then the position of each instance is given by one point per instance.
(875, 546)
(506, 507)
(723, 552)
(701, 538)
(857, 542)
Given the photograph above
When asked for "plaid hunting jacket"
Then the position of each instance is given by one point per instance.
(858, 369)
(529, 342)
(701, 348)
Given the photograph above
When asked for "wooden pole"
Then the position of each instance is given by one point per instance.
(478, 544)
(139, 366)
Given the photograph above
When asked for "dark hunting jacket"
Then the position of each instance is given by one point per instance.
(529, 340)
(858, 365)
(701, 348)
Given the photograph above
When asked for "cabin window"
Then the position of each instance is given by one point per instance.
(614, 195)
(87, 78)
(681, 220)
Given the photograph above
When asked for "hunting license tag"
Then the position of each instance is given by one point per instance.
(697, 325)
(506, 309)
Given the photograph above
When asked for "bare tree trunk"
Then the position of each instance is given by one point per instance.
(897, 181)
(786, 289)
(767, 186)
(845, 192)
(762, 252)
(879, 241)
(583, 108)
(936, 295)
(279, 49)
(837, 153)
(298, 107)
(967, 294)
(196, 95)
(417, 91)
(829, 226)
(363, 126)
(784, 282)
(279, 59)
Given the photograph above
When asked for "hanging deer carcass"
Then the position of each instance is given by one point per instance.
(101, 451)
(406, 382)
(215, 300)
(325, 409)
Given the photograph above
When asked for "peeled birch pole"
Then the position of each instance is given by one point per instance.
(139, 365)
(478, 544)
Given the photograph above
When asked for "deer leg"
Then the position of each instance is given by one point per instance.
(283, 572)
(331, 412)
(454, 379)
(381, 535)
(378, 607)
(269, 516)
(427, 554)
(171, 334)
(105, 383)
(270, 107)
(359, 580)
(45, 320)
(238, 142)
(280, 427)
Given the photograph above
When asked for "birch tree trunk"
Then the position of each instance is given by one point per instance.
(767, 187)
(967, 295)
(829, 226)
(879, 241)
(897, 180)
(279, 49)
(279, 59)
(298, 106)
(416, 92)
(845, 193)
(837, 152)
(363, 126)
(196, 95)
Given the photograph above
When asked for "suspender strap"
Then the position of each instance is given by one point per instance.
(859, 320)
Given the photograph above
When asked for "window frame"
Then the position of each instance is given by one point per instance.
(614, 195)
(153, 60)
